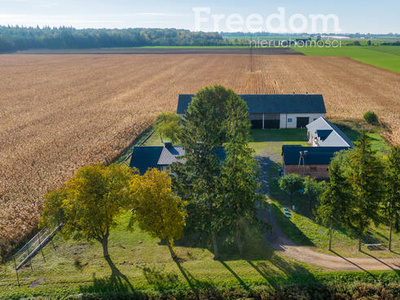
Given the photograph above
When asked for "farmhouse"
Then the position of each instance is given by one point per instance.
(275, 111)
(322, 133)
(308, 161)
(161, 157)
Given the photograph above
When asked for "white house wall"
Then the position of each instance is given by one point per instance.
(285, 118)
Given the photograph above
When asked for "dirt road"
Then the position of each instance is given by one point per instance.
(334, 261)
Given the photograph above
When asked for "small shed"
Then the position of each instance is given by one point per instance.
(308, 161)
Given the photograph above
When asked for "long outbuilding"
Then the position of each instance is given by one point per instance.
(275, 110)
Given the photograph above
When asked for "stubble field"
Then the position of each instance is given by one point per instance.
(60, 112)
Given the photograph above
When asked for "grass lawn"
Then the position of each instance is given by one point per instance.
(353, 129)
(271, 140)
(72, 267)
(386, 57)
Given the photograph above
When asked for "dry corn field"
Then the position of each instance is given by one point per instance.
(60, 112)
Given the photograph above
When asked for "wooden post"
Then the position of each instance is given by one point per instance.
(54, 247)
(16, 271)
(30, 260)
(41, 249)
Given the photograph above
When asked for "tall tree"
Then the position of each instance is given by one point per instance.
(392, 182)
(89, 204)
(365, 169)
(312, 190)
(202, 137)
(155, 208)
(336, 200)
(239, 172)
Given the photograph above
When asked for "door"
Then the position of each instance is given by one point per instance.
(256, 124)
(272, 124)
(302, 122)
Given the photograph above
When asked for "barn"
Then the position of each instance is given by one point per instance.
(273, 111)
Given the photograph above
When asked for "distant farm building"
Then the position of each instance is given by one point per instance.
(322, 133)
(308, 161)
(275, 111)
(161, 157)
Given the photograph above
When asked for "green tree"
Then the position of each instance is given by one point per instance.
(336, 200)
(371, 118)
(392, 182)
(168, 126)
(155, 208)
(202, 137)
(364, 176)
(89, 204)
(291, 183)
(312, 190)
(239, 173)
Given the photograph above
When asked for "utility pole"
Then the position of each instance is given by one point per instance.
(251, 53)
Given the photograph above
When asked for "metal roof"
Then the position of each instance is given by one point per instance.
(312, 155)
(336, 138)
(271, 103)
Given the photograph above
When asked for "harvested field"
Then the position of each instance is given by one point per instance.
(170, 50)
(60, 112)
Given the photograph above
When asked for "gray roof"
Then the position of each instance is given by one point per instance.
(312, 155)
(271, 103)
(328, 134)
(168, 155)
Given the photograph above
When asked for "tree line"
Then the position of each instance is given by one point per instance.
(213, 194)
(14, 38)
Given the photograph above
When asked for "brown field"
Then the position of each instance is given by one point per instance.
(60, 112)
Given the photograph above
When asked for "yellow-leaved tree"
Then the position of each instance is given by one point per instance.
(155, 208)
(89, 204)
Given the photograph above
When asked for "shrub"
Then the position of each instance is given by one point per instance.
(371, 118)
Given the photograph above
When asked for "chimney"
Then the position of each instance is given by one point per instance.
(168, 144)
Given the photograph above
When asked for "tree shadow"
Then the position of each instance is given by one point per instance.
(354, 264)
(266, 165)
(240, 280)
(293, 271)
(117, 282)
(397, 271)
(194, 283)
(394, 252)
(282, 226)
(160, 280)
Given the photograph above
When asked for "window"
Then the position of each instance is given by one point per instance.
(290, 120)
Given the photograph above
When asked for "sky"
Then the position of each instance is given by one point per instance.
(351, 16)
